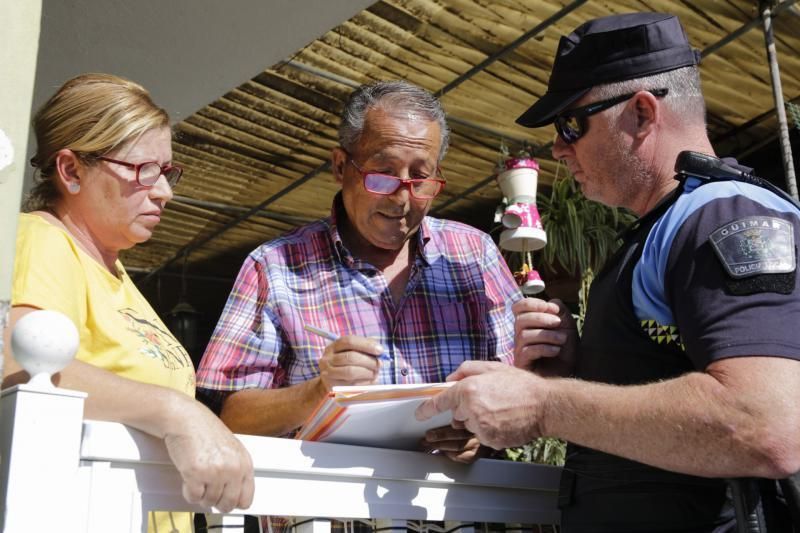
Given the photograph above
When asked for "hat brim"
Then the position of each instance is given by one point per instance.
(544, 111)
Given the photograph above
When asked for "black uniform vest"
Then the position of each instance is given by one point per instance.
(605, 493)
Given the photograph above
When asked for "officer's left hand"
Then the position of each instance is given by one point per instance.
(545, 337)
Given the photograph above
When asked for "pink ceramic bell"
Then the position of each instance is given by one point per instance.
(533, 283)
(524, 231)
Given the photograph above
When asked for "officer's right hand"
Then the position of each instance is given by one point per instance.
(545, 337)
(350, 360)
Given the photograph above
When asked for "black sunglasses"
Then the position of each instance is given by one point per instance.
(571, 125)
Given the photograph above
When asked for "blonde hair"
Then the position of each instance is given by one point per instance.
(91, 114)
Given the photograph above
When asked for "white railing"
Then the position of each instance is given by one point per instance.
(61, 472)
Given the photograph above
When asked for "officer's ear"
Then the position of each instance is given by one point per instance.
(648, 113)
(338, 163)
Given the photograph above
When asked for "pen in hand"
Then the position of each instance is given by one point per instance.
(325, 334)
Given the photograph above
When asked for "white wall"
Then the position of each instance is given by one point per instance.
(186, 52)
(19, 35)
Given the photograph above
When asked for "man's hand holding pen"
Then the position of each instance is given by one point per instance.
(348, 360)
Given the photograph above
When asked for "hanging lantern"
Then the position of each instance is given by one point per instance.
(183, 322)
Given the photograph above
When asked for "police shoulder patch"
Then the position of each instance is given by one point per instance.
(755, 245)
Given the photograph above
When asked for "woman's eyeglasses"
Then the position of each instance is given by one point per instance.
(386, 184)
(571, 125)
(147, 173)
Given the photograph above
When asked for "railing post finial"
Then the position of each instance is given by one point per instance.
(43, 343)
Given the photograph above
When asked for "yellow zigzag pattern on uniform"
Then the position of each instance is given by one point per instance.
(662, 334)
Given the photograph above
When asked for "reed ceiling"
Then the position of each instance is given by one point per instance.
(256, 159)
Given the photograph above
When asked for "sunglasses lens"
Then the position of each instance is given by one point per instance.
(569, 128)
(381, 183)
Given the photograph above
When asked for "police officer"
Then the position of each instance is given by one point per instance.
(687, 370)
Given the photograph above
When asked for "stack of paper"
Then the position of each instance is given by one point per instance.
(374, 415)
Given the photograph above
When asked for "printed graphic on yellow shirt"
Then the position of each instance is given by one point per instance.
(157, 343)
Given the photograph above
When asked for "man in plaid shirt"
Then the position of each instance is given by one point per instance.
(409, 297)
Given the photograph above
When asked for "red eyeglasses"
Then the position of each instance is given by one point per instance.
(147, 173)
(386, 184)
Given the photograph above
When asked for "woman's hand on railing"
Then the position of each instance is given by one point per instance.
(216, 468)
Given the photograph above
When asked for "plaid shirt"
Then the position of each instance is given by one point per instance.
(456, 307)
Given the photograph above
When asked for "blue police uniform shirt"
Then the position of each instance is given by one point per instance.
(722, 280)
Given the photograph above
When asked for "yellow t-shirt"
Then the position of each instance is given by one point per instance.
(119, 330)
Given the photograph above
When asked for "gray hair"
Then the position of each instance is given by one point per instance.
(684, 99)
(395, 95)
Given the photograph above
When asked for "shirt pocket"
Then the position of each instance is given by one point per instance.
(455, 322)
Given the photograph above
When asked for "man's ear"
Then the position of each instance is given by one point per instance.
(648, 113)
(68, 169)
(338, 162)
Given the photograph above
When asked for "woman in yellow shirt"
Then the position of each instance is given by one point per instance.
(105, 173)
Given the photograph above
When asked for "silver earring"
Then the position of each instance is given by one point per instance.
(74, 187)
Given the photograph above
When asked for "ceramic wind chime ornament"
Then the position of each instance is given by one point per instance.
(523, 231)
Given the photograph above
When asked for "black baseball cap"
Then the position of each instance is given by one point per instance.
(610, 49)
